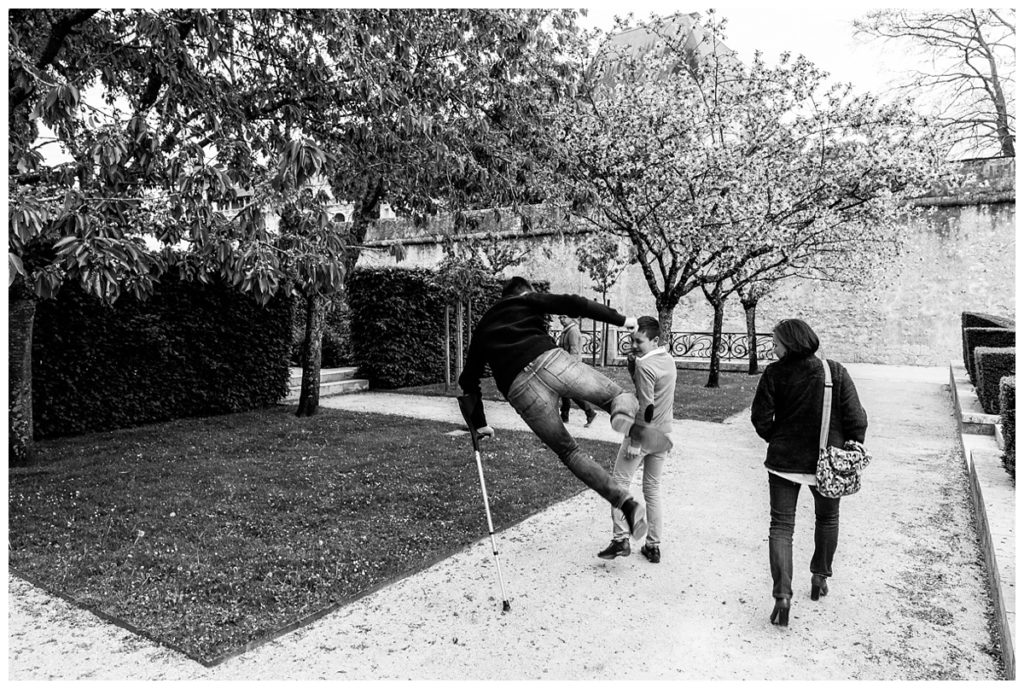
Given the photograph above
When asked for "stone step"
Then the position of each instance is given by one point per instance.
(336, 387)
(327, 375)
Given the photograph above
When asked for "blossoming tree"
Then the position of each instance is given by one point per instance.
(721, 174)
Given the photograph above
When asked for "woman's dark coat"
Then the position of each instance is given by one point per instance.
(787, 412)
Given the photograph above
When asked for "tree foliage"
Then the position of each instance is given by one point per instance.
(720, 174)
(160, 117)
(603, 258)
(971, 78)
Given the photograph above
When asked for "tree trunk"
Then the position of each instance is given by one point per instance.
(364, 213)
(19, 374)
(750, 311)
(665, 316)
(605, 344)
(458, 338)
(312, 354)
(716, 341)
(447, 347)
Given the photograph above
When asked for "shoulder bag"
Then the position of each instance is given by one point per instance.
(839, 469)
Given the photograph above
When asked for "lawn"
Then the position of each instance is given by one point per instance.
(208, 534)
(692, 400)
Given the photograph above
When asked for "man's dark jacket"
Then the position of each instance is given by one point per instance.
(514, 332)
(787, 412)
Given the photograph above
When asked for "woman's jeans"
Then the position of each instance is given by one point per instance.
(536, 393)
(783, 494)
(625, 468)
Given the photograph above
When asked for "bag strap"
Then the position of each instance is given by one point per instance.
(826, 406)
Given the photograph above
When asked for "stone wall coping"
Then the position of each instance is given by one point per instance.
(994, 498)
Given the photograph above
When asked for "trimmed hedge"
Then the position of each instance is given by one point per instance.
(992, 365)
(971, 319)
(397, 324)
(985, 337)
(190, 350)
(1008, 417)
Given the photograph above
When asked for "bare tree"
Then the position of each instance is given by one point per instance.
(973, 55)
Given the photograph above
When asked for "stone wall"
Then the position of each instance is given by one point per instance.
(960, 259)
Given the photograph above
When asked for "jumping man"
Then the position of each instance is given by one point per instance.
(533, 373)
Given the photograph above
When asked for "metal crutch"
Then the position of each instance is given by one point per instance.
(467, 405)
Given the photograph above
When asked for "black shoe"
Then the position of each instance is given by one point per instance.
(651, 552)
(780, 614)
(819, 586)
(565, 418)
(590, 419)
(636, 518)
(615, 549)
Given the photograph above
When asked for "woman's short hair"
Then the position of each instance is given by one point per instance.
(649, 326)
(796, 336)
(516, 286)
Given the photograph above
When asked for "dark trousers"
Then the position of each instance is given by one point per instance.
(586, 406)
(783, 495)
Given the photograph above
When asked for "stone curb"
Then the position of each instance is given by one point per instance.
(993, 495)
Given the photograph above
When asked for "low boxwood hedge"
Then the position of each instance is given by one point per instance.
(985, 337)
(1008, 418)
(972, 319)
(992, 365)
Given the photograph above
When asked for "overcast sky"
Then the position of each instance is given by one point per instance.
(823, 33)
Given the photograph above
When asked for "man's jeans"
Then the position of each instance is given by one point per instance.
(623, 472)
(783, 495)
(535, 394)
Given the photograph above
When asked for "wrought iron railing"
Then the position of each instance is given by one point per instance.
(685, 344)
(592, 344)
(697, 345)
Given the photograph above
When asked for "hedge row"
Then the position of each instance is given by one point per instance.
(190, 350)
(1008, 416)
(397, 324)
(970, 320)
(992, 365)
(985, 337)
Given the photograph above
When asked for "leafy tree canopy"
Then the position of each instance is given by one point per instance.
(164, 115)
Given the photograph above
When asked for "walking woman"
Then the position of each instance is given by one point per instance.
(786, 412)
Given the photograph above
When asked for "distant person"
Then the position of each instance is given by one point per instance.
(533, 373)
(787, 413)
(654, 374)
(572, 341)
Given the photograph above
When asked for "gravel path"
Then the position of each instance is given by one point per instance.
(907, 600)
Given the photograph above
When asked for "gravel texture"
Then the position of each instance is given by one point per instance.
(907, 600)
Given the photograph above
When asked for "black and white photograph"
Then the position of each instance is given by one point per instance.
(511, 343)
